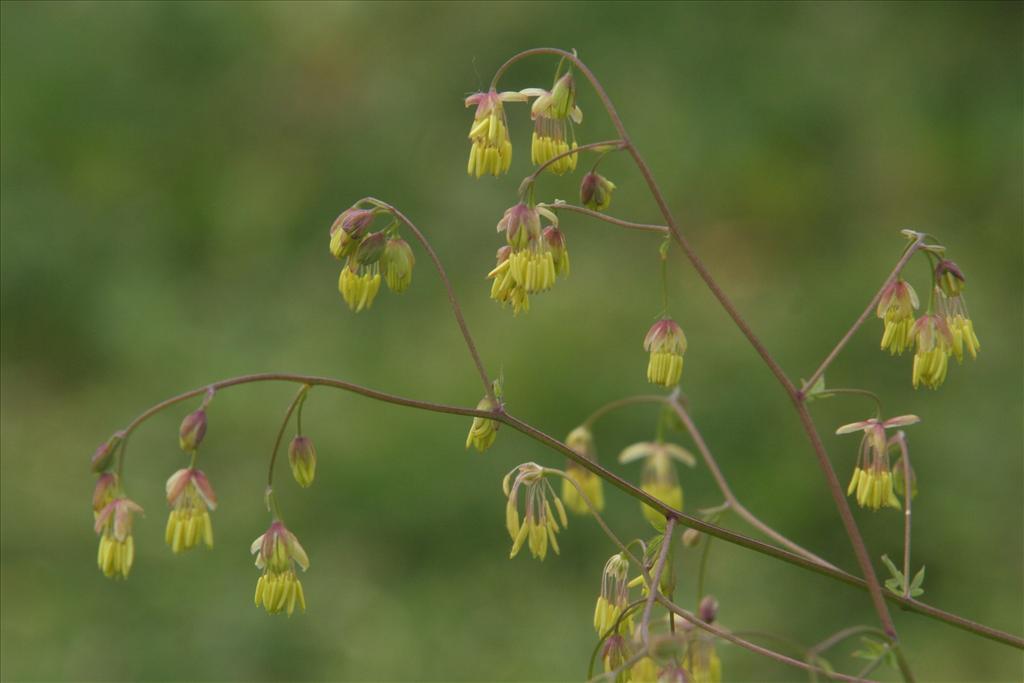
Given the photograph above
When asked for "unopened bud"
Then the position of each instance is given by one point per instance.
(397, 262)
(562, 97)
(192, 431)
(708, 609)
(596, 191)
(559, 252)
(691, 537)
(370, 249)
(949, 278)
(348, 229)
(105, 453)
(302, 457)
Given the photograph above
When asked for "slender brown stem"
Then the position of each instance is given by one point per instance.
(452, 299)
(629, 225)
(831, 480)
(746, 644)
(609, 476)
(901, 439)
(730, 497)
(299, 396)
(842, 635)
(654, 587)
(910, 251)
(620, 403)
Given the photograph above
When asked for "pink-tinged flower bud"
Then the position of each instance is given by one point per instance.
(708, 609)
(104, 454)
(348, 229)
(559, 251)
(491, 150)
(397, 263)
(302, 457)
(521, 225)
(596, 191)
(192, 431)
(666, 344)
(949, 278)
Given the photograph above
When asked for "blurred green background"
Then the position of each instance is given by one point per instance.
(169, 173)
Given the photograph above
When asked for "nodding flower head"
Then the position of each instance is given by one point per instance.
(114, 526)
(581, 440)
(614, 596)
(534, 259)
(872, 480)
(701, 661)
(617, 650)
(554, 111)
(952, 307)
(539, 525)
(491, 150)
(483, 431)
(192, 431)
(896, 308)
(191, 498)
(348, 229)
(659, 477)
(397, 262)
(277, 553)
(935, 343)
(666, 344)
(596, 191)
(103, 456)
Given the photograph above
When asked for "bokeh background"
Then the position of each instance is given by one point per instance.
(169, 173)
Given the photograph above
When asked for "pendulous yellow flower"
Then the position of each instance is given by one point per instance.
(896, 308)
(873, 481)
(666, 344)
(659, 477)
(934, 342)
(491, 150)
(952, 307)
(483, 431)
(117, 548)
(614, 596)
(539, 526)
(581, 440)
(553, 114)
(277, 552)
(191, 498)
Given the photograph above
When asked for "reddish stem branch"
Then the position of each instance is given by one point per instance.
(654, 585)
(629, 225)
(911, 250)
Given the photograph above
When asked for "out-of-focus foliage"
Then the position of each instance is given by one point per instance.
(169, 173)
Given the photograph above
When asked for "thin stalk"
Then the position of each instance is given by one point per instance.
(702, 570)
(907, 254)
(620, 403)
(299, 397)
(630, 608)
(829, 393)
(654, 587)
(452, 299)
(629, 225)
(605, 146)
(907, 494)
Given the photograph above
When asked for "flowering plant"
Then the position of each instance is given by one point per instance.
(643, 632)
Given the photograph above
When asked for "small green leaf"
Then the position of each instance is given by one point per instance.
(816, 389)
(918, 580)
(896, 573)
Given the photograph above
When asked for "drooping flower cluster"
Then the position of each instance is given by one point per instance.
(553, 112)
(539, 526)
(948, 331)
(191, 498)
(872, 480)
(277, 553)
(491, 150)
(368, 255)
(581, 440)
(659, 477)
(533, 259)
(896, 308)
(666, 344)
